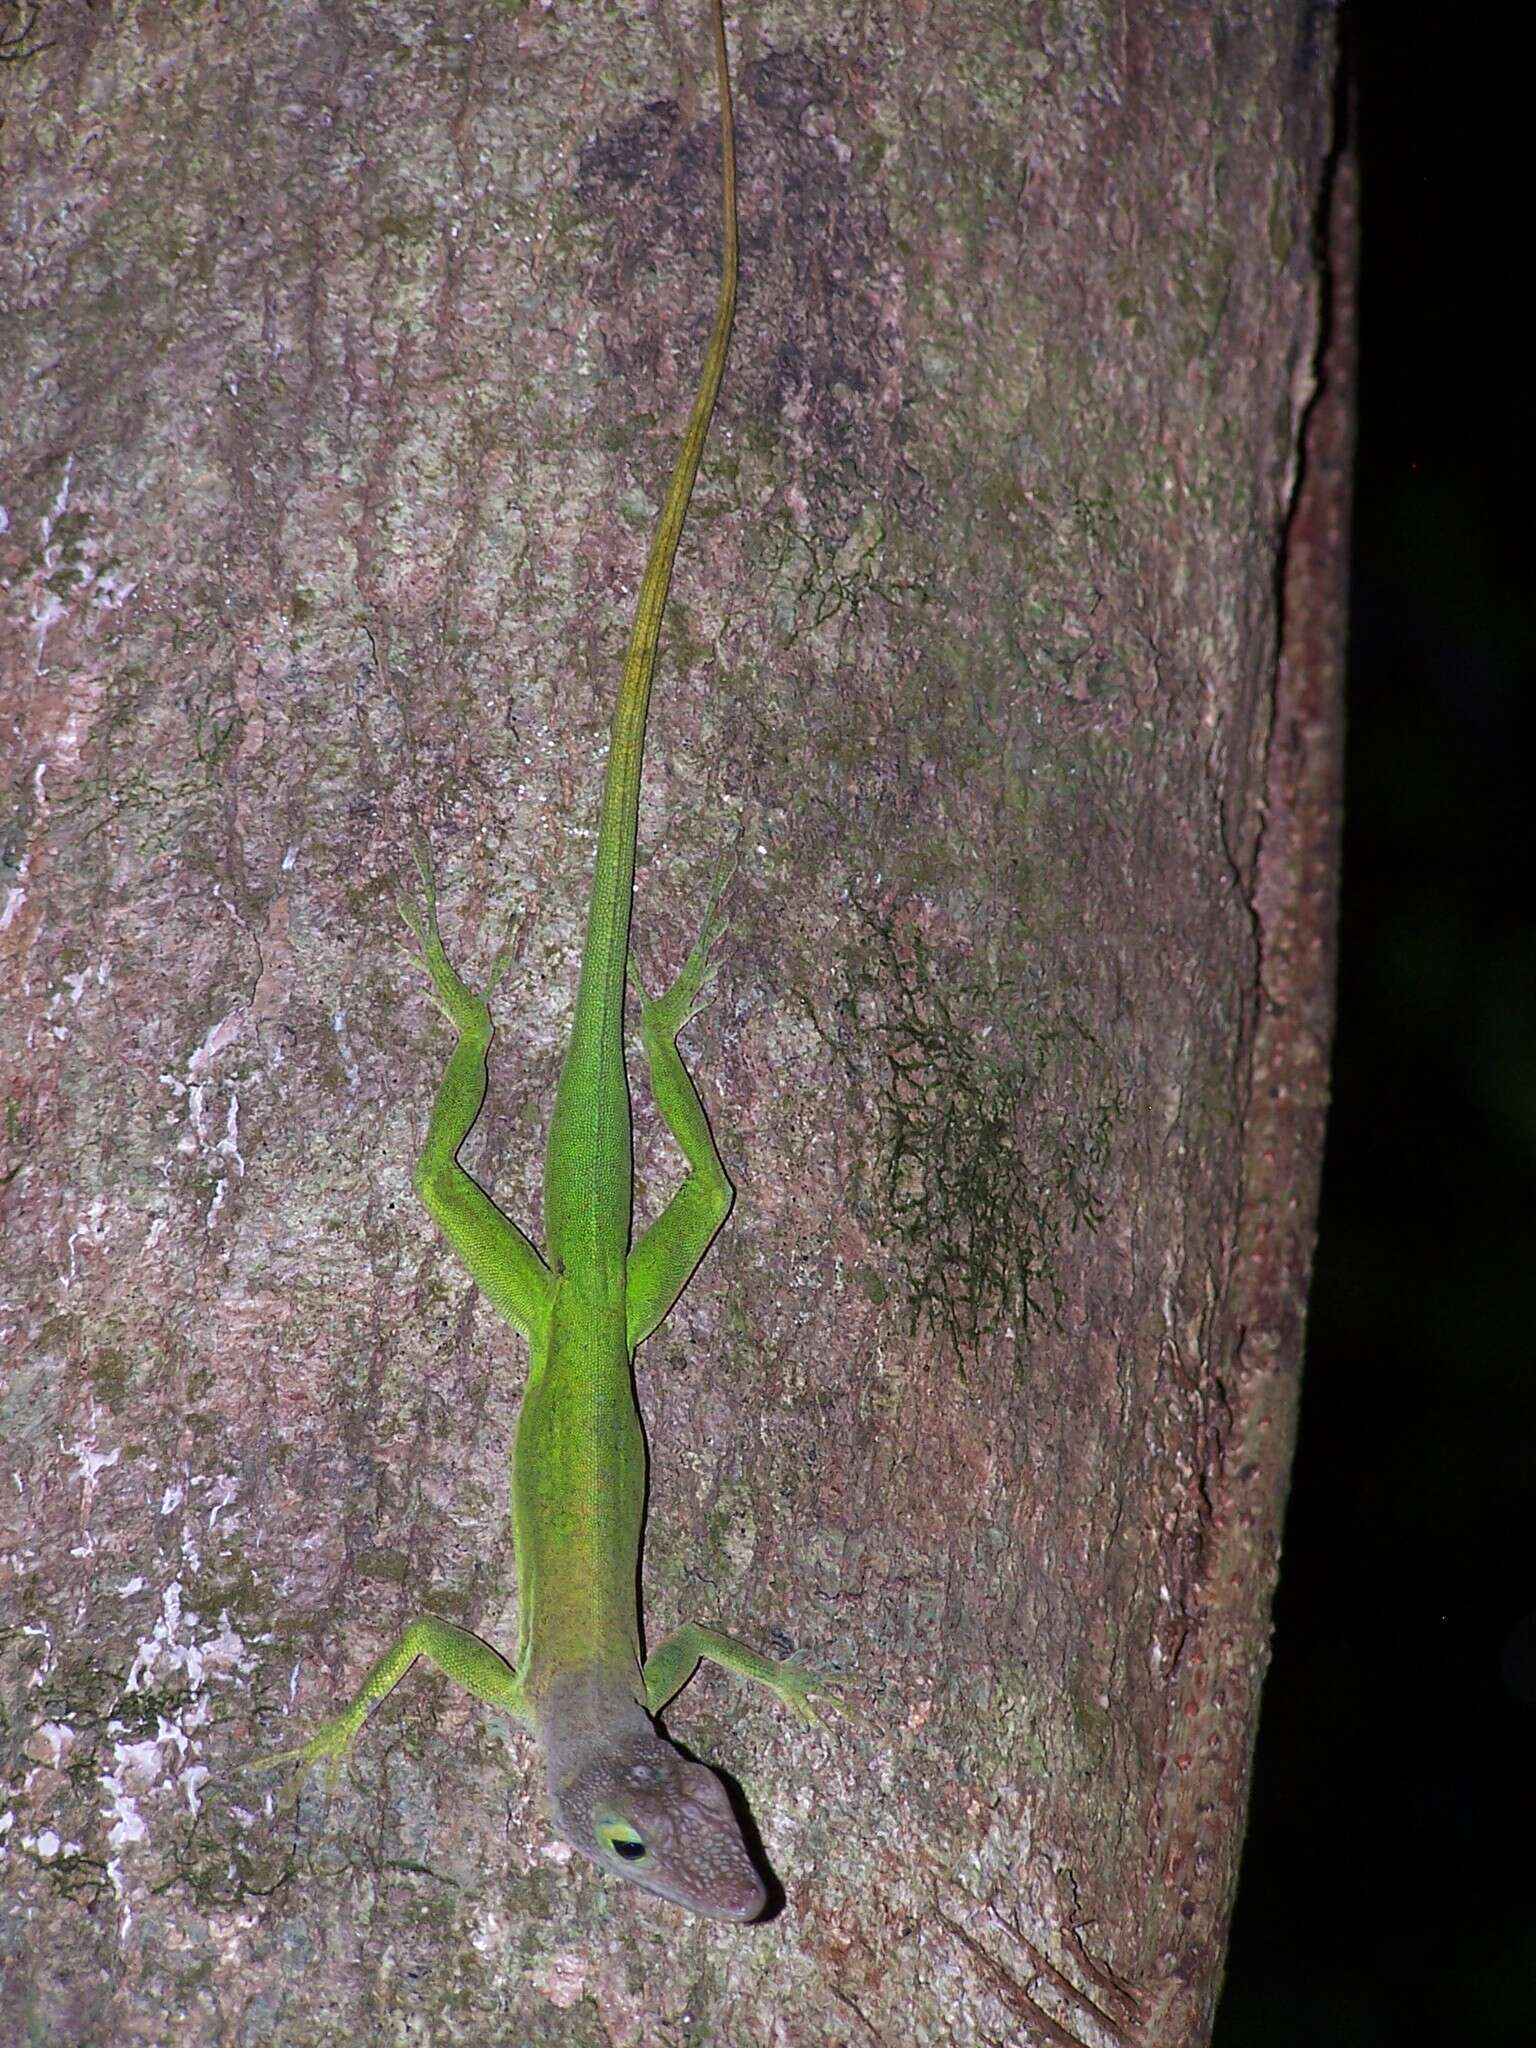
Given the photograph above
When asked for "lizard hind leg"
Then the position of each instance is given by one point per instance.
(500, 1258)
(661, 1264)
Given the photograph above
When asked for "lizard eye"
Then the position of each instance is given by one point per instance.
(621, 1840)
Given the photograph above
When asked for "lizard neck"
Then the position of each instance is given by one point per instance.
(584, 1715)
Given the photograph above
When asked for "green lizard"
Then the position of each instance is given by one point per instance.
(620, 1793)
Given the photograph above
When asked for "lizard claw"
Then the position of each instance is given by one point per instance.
(459, 1003)
(664, 1016)
(803, 1690)
(329, 1747)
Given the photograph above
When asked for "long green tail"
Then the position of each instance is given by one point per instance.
(589, 1165)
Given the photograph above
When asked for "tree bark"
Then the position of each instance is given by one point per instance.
(346, 354)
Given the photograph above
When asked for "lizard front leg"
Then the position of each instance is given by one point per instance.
(677, 1656)
(456, 1653)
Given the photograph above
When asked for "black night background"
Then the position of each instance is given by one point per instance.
(1388, 1893)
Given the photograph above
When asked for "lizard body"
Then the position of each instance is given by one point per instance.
(619, 1792)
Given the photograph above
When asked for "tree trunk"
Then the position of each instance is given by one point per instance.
(346, 357)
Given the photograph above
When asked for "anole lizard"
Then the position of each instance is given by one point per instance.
(619, 1792)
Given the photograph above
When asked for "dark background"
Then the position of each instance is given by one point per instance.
(1388, 1893)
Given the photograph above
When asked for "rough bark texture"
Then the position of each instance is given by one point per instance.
(346, 349)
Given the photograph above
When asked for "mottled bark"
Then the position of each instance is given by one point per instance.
(345, 352)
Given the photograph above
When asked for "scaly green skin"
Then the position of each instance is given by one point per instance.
(619, 1792)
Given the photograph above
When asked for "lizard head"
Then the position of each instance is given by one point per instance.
(646, 1813)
